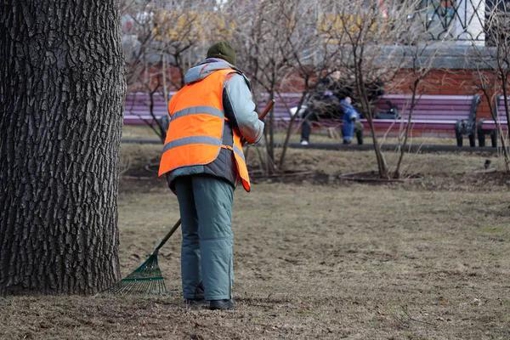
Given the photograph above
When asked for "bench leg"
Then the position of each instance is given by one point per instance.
(472, 140)
(458, 137)
(481, 138)
(494, 138)
(492, 133)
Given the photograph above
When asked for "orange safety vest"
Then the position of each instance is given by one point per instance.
(195, 131)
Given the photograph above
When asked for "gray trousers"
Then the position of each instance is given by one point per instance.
(205, 204)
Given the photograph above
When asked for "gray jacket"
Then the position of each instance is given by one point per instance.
(239, 109)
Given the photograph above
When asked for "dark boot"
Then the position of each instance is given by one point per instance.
(194, 303)
(199, 300)
(221, 304)
(199, 291)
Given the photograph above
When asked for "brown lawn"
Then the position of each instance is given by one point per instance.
(316, 257)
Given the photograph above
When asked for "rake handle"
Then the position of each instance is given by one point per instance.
(262, 115)
(268, 108)
(167, 236)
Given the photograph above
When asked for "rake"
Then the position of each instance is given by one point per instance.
(147, 278)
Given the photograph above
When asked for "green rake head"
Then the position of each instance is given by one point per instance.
(146, 279)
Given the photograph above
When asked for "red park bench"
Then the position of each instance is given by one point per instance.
(137, 108)
(449, 113)
(454, 114)
(490, 126)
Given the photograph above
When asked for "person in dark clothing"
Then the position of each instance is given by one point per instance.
(323, 104)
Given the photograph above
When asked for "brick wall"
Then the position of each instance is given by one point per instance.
(454, 82)
(441, 81)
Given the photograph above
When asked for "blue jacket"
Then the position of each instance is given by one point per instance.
(349, 119)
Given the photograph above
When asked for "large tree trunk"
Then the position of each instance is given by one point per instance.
(61, 99)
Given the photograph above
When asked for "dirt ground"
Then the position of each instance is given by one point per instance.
(317, 256)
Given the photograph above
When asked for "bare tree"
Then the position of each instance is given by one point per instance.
(493, 67)
(278, 40)
(61, 102)
(169, 40)
(259, 49)
(365, 33)
(143, 72)
(419, 61)
(310, 56)
(183, 35)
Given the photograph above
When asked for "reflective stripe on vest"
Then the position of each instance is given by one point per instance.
(239, 152)
(195, 131)
(199, 110)
(192, 140)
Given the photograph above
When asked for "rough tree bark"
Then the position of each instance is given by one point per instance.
(61, 99)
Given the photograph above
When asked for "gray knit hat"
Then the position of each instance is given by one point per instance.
(222, 50)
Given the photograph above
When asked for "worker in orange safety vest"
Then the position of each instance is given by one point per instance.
(209, 119)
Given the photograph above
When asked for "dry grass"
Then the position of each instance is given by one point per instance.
(424, 259)
(318, 136)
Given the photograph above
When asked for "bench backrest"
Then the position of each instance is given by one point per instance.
(432, 107)
(500, 108)
(428, 107)
(137, 108)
